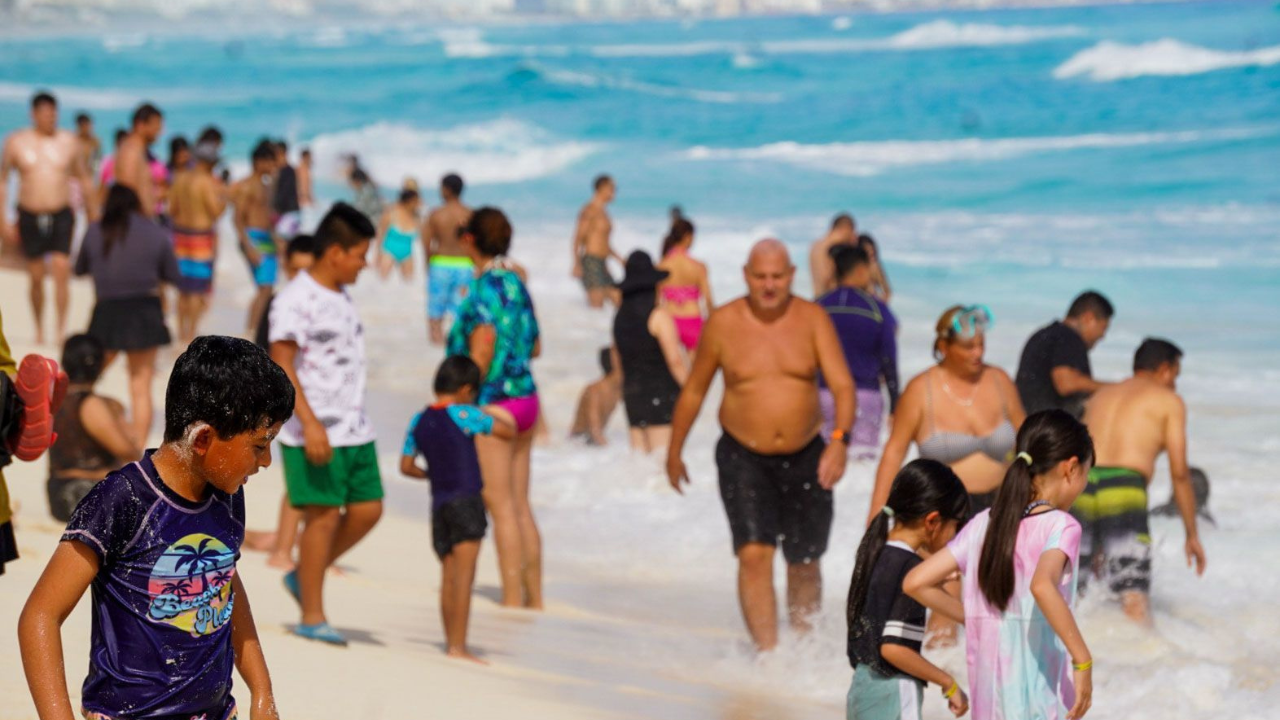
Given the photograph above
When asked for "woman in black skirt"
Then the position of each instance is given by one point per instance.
(129, 256)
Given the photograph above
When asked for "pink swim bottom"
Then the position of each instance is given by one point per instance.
(690, 329)
(523, 409)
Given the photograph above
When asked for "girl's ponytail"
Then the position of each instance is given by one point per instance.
(1046, 439)
(920, 488)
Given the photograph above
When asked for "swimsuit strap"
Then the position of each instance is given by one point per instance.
(1004, 400)
(928, 400)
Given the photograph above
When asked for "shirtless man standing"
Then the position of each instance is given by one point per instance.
(823, 269)
(591, 248)
(196, 201)
(449, 268)
(133, 163)
(261, 248)
(1132, 422)
(47, 160)
(776, 473)
(90, 145)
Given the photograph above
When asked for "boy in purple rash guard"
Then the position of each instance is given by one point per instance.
(868, 336)
(158, 542)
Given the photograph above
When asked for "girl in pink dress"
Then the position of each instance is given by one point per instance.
(1019, 565)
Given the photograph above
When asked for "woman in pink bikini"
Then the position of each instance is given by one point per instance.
(686, 293)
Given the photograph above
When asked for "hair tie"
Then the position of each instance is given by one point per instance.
(887, 511)
(1025, 456)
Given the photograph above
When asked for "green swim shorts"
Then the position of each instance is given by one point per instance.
(350, 476)
(873, 696)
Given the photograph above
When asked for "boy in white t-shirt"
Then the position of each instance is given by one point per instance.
(330, 463)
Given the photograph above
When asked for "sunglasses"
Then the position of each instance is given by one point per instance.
(971, 320)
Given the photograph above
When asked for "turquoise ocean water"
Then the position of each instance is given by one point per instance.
(1010, 157)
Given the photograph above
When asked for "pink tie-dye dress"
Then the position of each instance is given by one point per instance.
(1018, 668)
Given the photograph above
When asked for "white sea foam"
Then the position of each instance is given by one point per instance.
(602, 80)
(498, 151)
(1109, 61)
(926, 36)
(864, 159)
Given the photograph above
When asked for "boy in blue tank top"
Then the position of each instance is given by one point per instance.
(157, 541)
(442, 434)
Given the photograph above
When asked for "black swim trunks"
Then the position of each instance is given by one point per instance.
(44, 233)
(774, 499)
(458, 521)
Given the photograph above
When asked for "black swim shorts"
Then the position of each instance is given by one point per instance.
(457, 521)
(44, 233)
(776, 499)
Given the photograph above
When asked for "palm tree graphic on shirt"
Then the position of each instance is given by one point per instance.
(199, 560)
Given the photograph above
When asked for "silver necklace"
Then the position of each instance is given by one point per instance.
(963, 402)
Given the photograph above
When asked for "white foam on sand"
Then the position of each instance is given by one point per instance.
(865, 159)
(1108, 61)
(498, 151)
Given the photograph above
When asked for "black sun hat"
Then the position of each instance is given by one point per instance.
(641, 274)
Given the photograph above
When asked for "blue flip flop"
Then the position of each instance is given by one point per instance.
(323, 632)
(291, 584)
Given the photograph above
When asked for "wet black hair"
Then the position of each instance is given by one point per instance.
(120, 135)
(210, 134)
(117, 212)
(82, 358)
(1049, 437)
(177, 144)
(679, 229)
(301, 244)
(306, 152)
(453, 183)
(601, 181)
(144, 113)
(1154, 353)
(264, 150)
(344, 226)
(281, 145)
(43, 97)
(408, 195)
(848, 258)
(843, 219)
(865, 241)
(491, 230)
(229, 384)
(1094, 302)
(920, 488)
(457, 371)
(606, 360)
(83, 117)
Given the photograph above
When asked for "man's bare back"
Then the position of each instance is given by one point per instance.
(441, 236)
(770, 399)
(195, 200)
(1131, 423)
(46, 165)
(133, 170)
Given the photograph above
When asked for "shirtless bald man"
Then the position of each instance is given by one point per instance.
(591, 248)
(776, 473)
(844, 231)
(47, 159)
(133, 164)
(1132, 422)
(449, 268)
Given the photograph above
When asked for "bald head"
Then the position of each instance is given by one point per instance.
(768, 273)
(768, 251)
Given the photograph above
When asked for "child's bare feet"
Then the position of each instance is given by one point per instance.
(284, 562)
(463, 654)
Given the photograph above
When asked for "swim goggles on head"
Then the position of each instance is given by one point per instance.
(969, 321)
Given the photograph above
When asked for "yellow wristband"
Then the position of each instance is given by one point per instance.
(955, 688)
(1081, 667)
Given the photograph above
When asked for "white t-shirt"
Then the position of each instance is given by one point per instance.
(330, 362)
